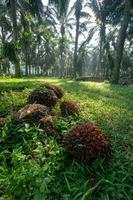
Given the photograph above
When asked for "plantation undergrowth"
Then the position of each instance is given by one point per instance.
(34, 166)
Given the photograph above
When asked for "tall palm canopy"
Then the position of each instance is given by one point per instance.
(67, 38)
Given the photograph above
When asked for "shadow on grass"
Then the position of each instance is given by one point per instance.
(17, 86)
(87, 86)
(115, 93)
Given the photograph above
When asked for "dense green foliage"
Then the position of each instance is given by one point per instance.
(66, 38)
(35, 166)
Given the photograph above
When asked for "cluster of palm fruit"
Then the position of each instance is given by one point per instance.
(43, 96)
(41, 102)
(69, 108)
(33, 112)
(48, 95)
(58, 90)
(85, 142)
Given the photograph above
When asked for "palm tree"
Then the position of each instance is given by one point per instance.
(79, 13)
(34, 7)
(26, 40)
(120, 42)
(78, 8)
(15, 33)
(101, 12)
(5, 34)
(82, 51)
(63, 15)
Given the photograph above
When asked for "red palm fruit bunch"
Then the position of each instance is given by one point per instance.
(86, 142)
(33, 112)
(57, 90)
(69, 108)
(43, 96)
(47, 125)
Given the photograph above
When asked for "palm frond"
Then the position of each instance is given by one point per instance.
(94, 5)
(83, 27)
(82, 33)
(70, 34)
(70, 19)
(8, 51)
(71, 11)
(85, 15)
(5, 23)
(69, 25)
(90, 35)
(3, 9)
(61, 6)
(36, 7)
(24, 6)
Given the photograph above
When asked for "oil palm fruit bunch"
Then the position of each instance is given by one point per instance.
(57, 90)
(44, 96)
(86, 142)
(33, 112)
(69, 108)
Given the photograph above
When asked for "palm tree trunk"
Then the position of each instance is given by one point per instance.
(15, 32)
(62, 50)
(62, 64)
(120, 44)
(76, 49)
(26, 60)
(25, 42)
(3, 41)
(109, 69)
(101, 51)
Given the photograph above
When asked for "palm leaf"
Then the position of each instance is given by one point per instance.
(61, 6)
(36, 7)
(85, 14)
(3, 9)
(5, 23)
(8, 51)
(88, 39)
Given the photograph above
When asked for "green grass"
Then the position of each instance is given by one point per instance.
(31, 170)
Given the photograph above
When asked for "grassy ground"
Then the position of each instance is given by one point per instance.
(31, 170)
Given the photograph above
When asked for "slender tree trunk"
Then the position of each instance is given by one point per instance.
(4, 67)
(101, 51)
(37, 59)
(3, 41)
(62, 50)
(110, 60)
(78, 8)
(26, 69)
(25, 42)
(15, 32)
(132, 74)
(1, 70)
(120, 44)
(26, 61)
(29, 66)
(76, 48)
(62, 65)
